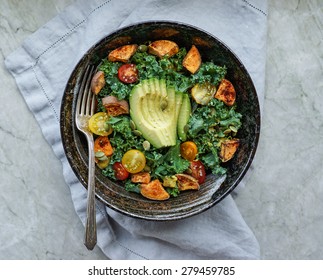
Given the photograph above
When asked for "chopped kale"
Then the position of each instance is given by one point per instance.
(207, 126)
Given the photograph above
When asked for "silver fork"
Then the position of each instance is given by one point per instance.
(85, 106)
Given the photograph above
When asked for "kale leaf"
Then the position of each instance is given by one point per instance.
(168, 163)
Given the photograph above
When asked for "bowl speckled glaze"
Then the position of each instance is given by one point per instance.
(214, 189)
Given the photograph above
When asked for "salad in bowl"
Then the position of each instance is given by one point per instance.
(165, 118)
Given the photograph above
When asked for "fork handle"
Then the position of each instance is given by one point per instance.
(90, 226)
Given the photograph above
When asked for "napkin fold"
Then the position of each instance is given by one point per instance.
(42, 66)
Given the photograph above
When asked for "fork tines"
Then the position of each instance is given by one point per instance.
(86, 100)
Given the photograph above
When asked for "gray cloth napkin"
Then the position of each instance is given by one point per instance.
(42, 66)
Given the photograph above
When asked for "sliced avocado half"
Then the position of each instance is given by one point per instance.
(155, 109)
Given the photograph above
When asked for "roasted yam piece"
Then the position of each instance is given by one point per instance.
(141, 177)
(102, 144)
(187, 182)
(123, 53)
(228, 149)
(103, 150)
(192, 61)
(97, 82)
(226, 92)
(116, 109)
(114, 106)
(161, 48)
(154, 190)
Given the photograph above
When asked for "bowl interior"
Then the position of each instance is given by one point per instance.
(215, 188)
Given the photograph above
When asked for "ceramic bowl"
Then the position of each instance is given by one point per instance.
(189, 203)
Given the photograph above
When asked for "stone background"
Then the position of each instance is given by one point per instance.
(282, 199)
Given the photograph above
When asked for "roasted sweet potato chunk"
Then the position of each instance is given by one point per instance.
(123, 53)
(192, 61)
(226, 92)
(102, 144)
(114, 106)
(228, 149)
(97, 82)
(116, 109)
(154, 190)
(161, 48)
(187, 182)
(103, 150)
(141, 177)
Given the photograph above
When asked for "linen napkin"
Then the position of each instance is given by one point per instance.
(42, 66)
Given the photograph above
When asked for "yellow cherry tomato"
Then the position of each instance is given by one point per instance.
(98, 124)
(133, 161)
(188, 150)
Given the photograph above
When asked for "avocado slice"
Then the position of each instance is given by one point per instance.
(154, 110)
(178, 100)
(183, 117)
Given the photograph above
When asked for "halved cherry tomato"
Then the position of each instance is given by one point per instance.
(134, 161)
(188, 150)
(98, 124)
(119, 171)
(198, 171)
(128, 73)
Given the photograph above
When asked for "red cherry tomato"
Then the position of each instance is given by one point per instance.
(128, 73)
(198, 171)
(119, 171)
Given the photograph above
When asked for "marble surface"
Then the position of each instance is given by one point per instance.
(282, 199)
